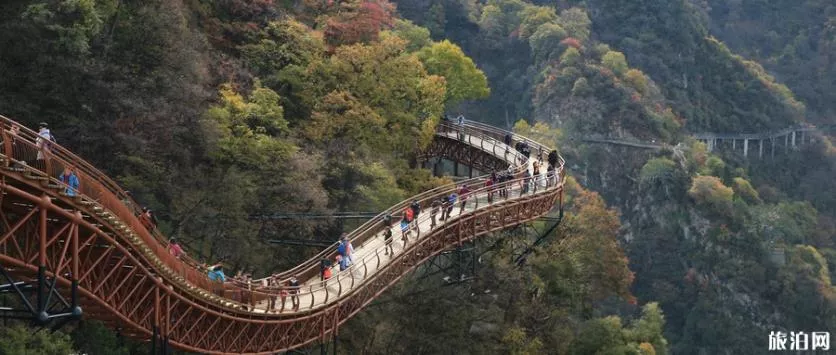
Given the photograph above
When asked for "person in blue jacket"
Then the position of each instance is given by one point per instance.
(71, 180)
(216, 273)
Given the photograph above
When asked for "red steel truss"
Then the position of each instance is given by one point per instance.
(91, 238)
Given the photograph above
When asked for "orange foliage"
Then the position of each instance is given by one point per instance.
(359, 22)
(593, 228)
(571, 42)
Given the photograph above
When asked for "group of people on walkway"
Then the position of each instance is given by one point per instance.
(287, 288)
(343, 259)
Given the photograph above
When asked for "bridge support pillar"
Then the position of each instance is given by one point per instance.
(760, 149)
(734, 144)
(455, 168)
(745, 147)
(793, 138)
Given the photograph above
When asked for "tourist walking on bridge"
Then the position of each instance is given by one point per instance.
(387, 241)
(451, 202)
(294, 292)
(536, 177)
(525, 182)
(147, 219)
(345, 248)
(44, 144)
(416, 210)
(550, 175)
(175, 249)
(216, 273)
(71, 180)
(404, 231)
(434, 208)
(408, 217)
(507, 142)
(324, 271)
(464, 193)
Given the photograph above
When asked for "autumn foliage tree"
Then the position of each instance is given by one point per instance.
(358, 21)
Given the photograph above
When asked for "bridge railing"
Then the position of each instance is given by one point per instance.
(46, 162)
(370, 260)
(368, 229)
(486, 137)
(371, 229)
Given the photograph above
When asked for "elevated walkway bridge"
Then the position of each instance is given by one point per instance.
(71, 253)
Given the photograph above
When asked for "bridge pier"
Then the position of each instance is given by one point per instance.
(745, 147)
(793, 138)
(760, 149)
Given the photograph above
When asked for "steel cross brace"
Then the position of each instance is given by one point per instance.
(51, 310)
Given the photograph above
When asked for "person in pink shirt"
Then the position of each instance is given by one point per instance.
(175, 249)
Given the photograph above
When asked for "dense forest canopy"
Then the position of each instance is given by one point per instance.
(210, 111)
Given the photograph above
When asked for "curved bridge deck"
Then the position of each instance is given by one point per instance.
(91, 243)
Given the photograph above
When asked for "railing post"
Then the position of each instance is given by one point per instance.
(365, 269)
(42, 284)
(7, 145)
(339, 286)
(74, 287)
(310, 292)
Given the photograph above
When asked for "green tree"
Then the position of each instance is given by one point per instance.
(806, 291)
(571, 57)
(417, 37)
(710, 191)
(464, 80)
(576, 22)
(545, 42)
(92, 337)
(247, 130)
(533, 17)
(437, 19)
(581, 87)
(74, 23)
(744, 189)
(615, 61)
(18, 339)
(385, 79)
(637, 80)
(519, 343)
(649, 329)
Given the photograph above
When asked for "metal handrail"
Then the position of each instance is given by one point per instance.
(98, 189)
(370, 255)
(356, 235)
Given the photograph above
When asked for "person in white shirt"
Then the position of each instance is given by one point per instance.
(44, 141)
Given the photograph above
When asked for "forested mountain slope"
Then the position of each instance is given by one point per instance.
(732, 248)
(210, 112)
(796, 40)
